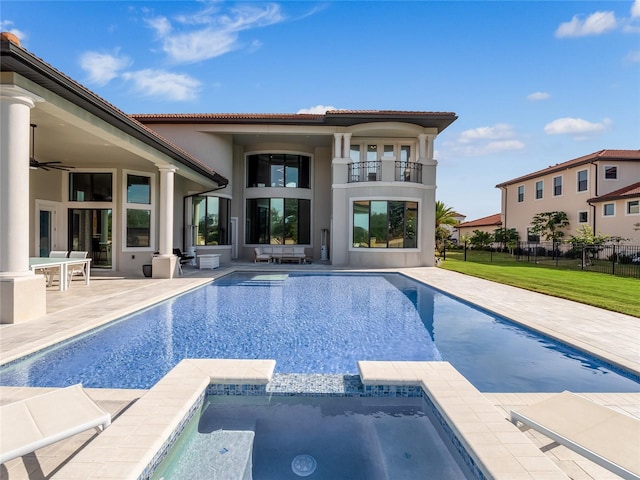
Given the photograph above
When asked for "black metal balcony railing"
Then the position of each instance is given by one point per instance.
(365, 171)
(408, 172)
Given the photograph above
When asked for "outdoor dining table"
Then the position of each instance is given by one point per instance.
(45, 263)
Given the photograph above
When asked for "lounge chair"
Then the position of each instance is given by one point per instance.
(73, 270)
(49, 273)
(36, 422)
(182, 258)
(604, 436)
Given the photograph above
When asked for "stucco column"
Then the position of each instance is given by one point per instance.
(165, 246)
(422, 146)
(164, 265)
(346, 145)
(23, 295)
(15, 114)
(337, 145)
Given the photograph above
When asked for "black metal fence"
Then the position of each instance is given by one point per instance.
(614, 259)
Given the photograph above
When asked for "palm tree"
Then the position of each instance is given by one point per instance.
(445, 215)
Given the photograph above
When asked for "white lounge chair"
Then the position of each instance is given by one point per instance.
(76, 269)
(261, 255)
(604, 436)
(36, 422)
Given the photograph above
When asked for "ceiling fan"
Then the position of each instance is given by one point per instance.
(46, 166)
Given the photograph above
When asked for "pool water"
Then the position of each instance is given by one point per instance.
(271, 438)
(317, 323)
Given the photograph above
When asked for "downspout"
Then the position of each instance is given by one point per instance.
(184, 210)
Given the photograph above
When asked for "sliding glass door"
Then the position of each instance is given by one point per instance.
(90, 230)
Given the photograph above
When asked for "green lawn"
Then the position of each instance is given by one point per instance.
(618, 294)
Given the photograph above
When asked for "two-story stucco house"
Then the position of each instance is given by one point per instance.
(76, 173)
(601, 190)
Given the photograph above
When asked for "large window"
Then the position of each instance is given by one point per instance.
(211, 220)
(278, 221)
(278, 170)
(633, 207)
(138, 210)
(90, 187)
(385, 224)
(582, 181)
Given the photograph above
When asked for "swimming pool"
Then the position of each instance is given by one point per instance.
(317, 323)
(320, 437)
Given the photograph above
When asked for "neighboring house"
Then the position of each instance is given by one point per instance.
(453, 231)
(352, 187)
(485, 224)
(599, 190)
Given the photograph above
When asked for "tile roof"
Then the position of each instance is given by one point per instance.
(630, 191)
(439, 120)
(495, 219)
(623, 155)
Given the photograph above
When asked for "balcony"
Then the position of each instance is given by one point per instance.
(408, 172)
(365, 171)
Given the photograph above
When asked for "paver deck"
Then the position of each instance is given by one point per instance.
(611, 336)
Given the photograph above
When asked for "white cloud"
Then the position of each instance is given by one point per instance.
(317, 109)
(485, 141)
(6, 26)
(535, 96)
(632, 57)
(595, 24)
(497, 132)
(578, 128)
(215, 35)
(635, 9)
(167, 85)
(102, 67)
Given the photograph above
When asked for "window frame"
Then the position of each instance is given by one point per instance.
(604, 173)
(382, 152)
(586, 181)
(519, 194)
(627, 206)
(539, 191)
(151, 207)
(604, 209)
(388, 200)
(195, 227)
(268, 182)
(585, 212)
(269, 221)
(561, 186)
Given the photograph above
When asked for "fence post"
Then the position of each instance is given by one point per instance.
(465, 250)
(584, 257)
(613, 261)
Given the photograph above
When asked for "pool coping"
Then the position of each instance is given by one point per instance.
(135, 444)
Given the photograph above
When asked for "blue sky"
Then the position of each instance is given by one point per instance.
(534, 83)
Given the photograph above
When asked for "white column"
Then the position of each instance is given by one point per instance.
(422, 146)
(15, 113)
(430, 141)
(337, 145)
(166, 211)
(346, 146)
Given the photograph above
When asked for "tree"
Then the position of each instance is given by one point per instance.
(445, 215)
(549, 225)
(585, 236)
(481, 239)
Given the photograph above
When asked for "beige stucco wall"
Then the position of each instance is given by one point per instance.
(519, 215)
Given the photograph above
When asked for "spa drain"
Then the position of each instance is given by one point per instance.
(304, 465)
